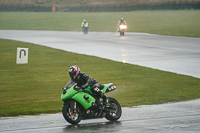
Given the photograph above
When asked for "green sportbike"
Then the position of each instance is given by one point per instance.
(80, 104)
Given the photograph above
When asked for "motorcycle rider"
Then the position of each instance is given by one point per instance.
(84, 22)
(84, 81)
(121, 21)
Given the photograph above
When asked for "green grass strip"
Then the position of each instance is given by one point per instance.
(164, 22)
(35, 87)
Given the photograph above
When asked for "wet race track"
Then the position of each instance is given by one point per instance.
(175, 54)
(166, 118)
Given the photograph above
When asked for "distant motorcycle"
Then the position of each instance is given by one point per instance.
(85, 28)
(82, 104)
(122, 29)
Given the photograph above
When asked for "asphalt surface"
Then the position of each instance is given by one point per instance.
(174, 54)
(165, 118)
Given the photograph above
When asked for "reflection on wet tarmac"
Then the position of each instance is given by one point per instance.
(154, 51)
(91, 127)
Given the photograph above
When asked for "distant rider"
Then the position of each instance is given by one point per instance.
(83, 23)
(84, 81)
(122, 21)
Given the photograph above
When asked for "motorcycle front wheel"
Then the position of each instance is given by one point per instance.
(115, 113)
(73, 117)
(121, 33)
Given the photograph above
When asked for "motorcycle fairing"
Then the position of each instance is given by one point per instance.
(84, 99)
(106, 87)
(68, 93)
(88, 89)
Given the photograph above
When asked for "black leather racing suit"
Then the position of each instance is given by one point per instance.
(85, 81)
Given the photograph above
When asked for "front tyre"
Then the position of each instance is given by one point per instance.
(73, 117)
(115, 113)
(120, 33)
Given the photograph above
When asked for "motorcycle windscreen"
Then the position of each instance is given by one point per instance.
(70, 84)
(85, 25)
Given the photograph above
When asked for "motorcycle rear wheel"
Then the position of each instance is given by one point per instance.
(71, 116)
(114, 114)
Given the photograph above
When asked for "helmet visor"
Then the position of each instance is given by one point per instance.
(72, 75)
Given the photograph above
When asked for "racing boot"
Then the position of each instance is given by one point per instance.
(105, 99)
(101, 95)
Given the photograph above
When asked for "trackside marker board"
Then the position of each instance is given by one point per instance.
(22, 56)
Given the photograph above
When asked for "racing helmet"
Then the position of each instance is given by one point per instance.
(74, 71)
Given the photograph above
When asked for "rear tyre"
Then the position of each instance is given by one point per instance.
(71, 116)
(115, 113)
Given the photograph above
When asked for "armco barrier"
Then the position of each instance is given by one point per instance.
(195, 6)
(25, 8)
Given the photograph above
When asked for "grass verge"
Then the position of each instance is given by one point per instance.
(35, 87)
(164, 22)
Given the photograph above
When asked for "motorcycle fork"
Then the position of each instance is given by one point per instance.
(73, 106)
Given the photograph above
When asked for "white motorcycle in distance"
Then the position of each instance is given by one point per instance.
(85, 28)
(122, 29)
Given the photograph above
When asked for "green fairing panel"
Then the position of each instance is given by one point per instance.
(69, 93)
(88, 89)
(79, 97)
(105, 87)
